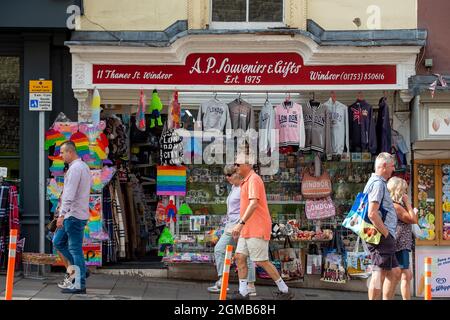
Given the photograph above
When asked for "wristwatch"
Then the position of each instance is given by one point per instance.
(241, 221)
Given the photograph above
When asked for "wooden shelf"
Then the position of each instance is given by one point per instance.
(142, 165)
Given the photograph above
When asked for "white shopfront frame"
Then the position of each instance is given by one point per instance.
(85, 56)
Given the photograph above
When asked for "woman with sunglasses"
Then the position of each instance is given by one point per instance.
(233, 216)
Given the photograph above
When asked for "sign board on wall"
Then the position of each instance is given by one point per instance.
(440, 271)
(40, 95)
(438, 122)
(245, 69)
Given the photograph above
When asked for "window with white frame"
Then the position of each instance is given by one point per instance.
(255, 14)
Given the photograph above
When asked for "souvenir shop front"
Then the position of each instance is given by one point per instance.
(431, 188)
(166, 194)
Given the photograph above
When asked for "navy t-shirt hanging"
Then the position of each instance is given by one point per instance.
(383, 127)
(361, 128)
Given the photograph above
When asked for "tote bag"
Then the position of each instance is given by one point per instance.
(359, 264)
(358, 220)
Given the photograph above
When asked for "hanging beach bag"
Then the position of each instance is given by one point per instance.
(320, 208)
(359, 264)
(334, 269)
(316, 187)
(291, 265)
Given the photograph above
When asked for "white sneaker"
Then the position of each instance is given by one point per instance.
(67, 282)
(252, 292)
(216, 287)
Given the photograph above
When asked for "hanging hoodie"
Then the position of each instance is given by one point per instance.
(289, 122)
(317, 128)
(215, 116)
(383, 127)
(266, 124)
(241, 115)
(338, 119)
(362, 128)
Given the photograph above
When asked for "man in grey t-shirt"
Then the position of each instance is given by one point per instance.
(386, 272)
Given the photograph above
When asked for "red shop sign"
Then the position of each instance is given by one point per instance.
(244, 69)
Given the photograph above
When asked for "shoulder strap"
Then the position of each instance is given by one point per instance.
(383, 211)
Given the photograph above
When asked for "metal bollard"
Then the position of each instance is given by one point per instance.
(226, 273)
(428, 262)
(11, 264)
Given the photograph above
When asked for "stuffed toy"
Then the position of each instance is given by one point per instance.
(160, 213)
(175, 111)
(155, 109)
(171, 212)
(185, 209)
(165, 243)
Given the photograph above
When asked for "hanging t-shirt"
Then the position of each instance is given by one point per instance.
(266, 124)
(215, 116)
(317, 128)
(338, 119)
(241, 115)
(171, 148)
(361, 128)
(383, 127)
(289, 122)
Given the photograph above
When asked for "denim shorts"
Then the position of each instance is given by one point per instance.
(403, 258)
(383, 254)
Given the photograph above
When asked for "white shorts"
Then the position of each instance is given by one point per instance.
(255, 248)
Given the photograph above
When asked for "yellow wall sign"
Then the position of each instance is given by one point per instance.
(41, 86)
(40, 95)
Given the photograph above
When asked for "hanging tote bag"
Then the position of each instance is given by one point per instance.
(316, 187)
(313, 261)
(358, 220)
(320, 208)
(334, 269)
(359, 264)
(291, 265)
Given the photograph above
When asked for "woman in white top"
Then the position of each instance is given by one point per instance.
(233, 215)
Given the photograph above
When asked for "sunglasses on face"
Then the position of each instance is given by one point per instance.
(229, 174)
(237, 165)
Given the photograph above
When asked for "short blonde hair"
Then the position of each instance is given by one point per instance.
(397, 188)
(229, 169)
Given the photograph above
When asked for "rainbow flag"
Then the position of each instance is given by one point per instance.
(171, 181)
(81, 143)
(52, 137)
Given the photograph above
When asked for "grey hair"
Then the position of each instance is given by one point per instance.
(229, 169)
(69, 145)
(383, 158)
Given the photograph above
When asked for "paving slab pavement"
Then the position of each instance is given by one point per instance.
(109, 287)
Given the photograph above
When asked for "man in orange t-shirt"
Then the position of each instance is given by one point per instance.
(254, 230)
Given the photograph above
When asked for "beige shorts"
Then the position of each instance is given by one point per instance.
(255, 248)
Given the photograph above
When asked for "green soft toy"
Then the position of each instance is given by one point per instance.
(165, 243)
(185, 209)
(155, 109)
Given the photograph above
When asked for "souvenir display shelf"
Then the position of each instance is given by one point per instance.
(431, 190)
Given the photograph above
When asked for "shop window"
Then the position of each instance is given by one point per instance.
(432, 198)
(10, 115)
(238, 14)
